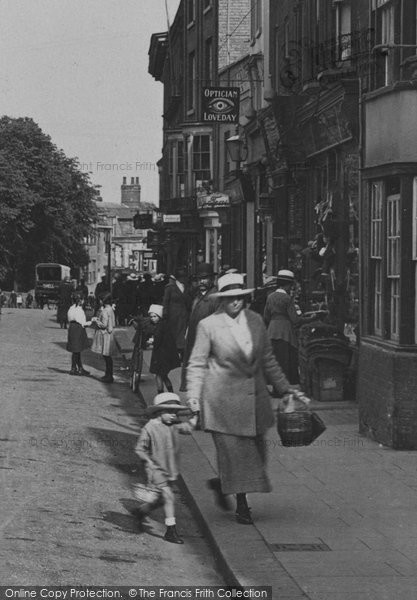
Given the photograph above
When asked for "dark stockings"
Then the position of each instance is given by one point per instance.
(109, 366)
(76, 361)
(241, 503)
(161, 381)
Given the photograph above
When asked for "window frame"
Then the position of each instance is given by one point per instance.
(384, 260)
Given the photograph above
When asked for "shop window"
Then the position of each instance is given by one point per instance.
(201, 159)
(385, 258)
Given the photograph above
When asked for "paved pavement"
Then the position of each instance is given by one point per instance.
(340, 523)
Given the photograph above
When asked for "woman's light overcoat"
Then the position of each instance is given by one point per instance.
(232, 388)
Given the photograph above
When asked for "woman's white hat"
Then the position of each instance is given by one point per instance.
(286, 275)
(166, 401)
(232, 284)
(156, 309)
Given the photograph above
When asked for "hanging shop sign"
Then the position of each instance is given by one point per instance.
(171, 218)
(220, 104)
(212, 201)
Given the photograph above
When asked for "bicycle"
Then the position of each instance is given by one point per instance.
(144, 330)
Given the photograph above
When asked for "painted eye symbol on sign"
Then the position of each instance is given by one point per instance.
(221, 105)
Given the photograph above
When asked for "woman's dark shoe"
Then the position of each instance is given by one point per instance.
(107, 379)
(221, 499)
(171, 535)
(73, 372)
(83, 372)
(243, 516)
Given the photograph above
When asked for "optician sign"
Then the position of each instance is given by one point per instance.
(221, 104)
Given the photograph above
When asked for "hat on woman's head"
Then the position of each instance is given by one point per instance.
(156, 309)
(166, 401)
(205, 270)
(286, 275)
(232, 284)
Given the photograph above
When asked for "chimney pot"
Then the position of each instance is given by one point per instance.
(132, 180)
(124, 180)
(137, 180)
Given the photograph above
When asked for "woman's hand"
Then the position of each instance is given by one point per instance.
(195, 421)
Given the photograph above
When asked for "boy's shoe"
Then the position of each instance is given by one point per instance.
(171, 535)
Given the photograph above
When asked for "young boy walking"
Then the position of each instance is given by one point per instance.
(158, 448)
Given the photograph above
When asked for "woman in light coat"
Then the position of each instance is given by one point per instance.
(103, 340)
(228, 370)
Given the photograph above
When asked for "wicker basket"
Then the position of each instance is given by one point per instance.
(146, 494)
(295, 428)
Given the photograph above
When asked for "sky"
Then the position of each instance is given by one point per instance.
(79, 69)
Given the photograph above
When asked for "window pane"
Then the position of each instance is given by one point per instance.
(376, 220)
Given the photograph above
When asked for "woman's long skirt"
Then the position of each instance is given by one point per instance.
(242, 463)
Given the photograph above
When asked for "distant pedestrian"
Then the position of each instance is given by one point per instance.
(147, 292)
(77, 336)
(177, 307)
(158, 447)
(164, 356)
(13, 299)
(82, 290)
(280, 316)
(29, 300)
(19, 301)
(102, 289)
(103, 340)
(204, 304)
(65, 294)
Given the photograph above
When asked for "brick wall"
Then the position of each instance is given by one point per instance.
(234, 30)
(387, 396)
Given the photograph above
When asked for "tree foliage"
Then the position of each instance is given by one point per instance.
(46, 202)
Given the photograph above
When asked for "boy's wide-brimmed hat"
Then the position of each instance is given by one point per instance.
(156, 309)
(166, 401)
(285, 275)
(205, 270)
(232, 284)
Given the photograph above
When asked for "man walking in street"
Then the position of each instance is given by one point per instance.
(204, 304)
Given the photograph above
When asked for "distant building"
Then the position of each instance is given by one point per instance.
(115, 242)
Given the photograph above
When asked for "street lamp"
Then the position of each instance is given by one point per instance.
(237, 149)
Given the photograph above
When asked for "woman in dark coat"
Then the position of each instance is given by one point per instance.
(77, 336)
(64, 302)
(177, 307)
(281, 317)
(164, 354)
